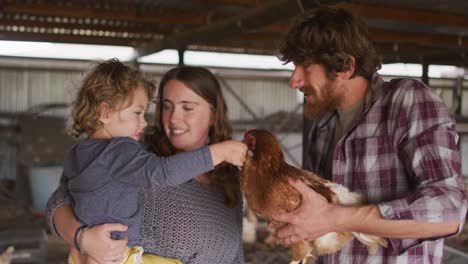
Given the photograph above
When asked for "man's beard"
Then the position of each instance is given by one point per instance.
(327, 103)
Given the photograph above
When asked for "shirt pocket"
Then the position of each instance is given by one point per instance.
(373, 164)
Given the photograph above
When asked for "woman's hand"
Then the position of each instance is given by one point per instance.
(99, 246)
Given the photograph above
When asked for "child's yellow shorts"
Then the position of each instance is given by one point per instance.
(135, 255)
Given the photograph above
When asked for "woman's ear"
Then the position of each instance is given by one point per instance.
(212, 116)
(104, 113)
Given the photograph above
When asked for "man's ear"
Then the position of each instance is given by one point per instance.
(346, 74)
(104, 113)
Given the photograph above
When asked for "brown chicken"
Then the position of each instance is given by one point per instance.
(264, 183)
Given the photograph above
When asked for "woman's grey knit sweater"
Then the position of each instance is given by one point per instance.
(189, 222)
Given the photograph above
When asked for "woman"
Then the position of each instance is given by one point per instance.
(197, 222)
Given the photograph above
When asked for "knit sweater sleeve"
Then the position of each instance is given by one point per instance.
(58, 198)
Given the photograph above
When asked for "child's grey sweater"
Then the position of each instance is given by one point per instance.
(104, 177)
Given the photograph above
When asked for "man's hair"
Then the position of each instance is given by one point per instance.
(202, 82)
(111, 82)
(329, 36)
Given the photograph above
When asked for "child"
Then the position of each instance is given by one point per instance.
(106, 171)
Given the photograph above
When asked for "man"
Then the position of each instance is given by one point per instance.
(394, 142)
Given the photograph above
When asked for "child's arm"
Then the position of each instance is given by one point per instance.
(231, 151)
(187, 165)
(138, 166)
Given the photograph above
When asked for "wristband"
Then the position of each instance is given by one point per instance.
(80, 240)
(75, 239)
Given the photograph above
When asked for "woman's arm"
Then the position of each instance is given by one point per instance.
(65, 223)
(96, 241)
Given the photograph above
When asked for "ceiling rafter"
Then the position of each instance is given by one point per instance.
(405, 14)
(401, 29)
(162, 16)
(447, 59)
(426, 39)
(245, 3)
(377, 36)
(64, 38)
(251, 19)
(127, 29)
(232, 46)
(427, 18)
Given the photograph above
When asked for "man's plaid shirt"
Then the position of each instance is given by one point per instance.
(402, 155)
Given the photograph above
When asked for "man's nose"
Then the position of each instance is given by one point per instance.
(296, 81)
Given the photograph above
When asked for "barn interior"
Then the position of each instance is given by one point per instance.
(36, 92)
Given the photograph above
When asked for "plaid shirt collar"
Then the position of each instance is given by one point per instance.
(377, 89)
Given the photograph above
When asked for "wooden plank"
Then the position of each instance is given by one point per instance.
(406, 14)
(144, 16)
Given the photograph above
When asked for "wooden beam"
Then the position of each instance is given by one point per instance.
(411, 48)
(244, 3)
(399, 19)
(392, 36)
(62, 38)
(419, 54)
(445, 60)
(423, 39)
(406, 14)
(277, 27)
(234, 48)
(129, 29)
(242, 43)
(430, 41)
(143, 16)
(251, 19)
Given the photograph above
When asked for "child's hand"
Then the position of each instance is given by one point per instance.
(231, 151)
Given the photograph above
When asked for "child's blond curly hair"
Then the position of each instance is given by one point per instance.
(111, 82)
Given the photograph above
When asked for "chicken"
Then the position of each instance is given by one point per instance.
(264, 183)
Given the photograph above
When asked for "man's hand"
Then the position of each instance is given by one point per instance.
(310, 220)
